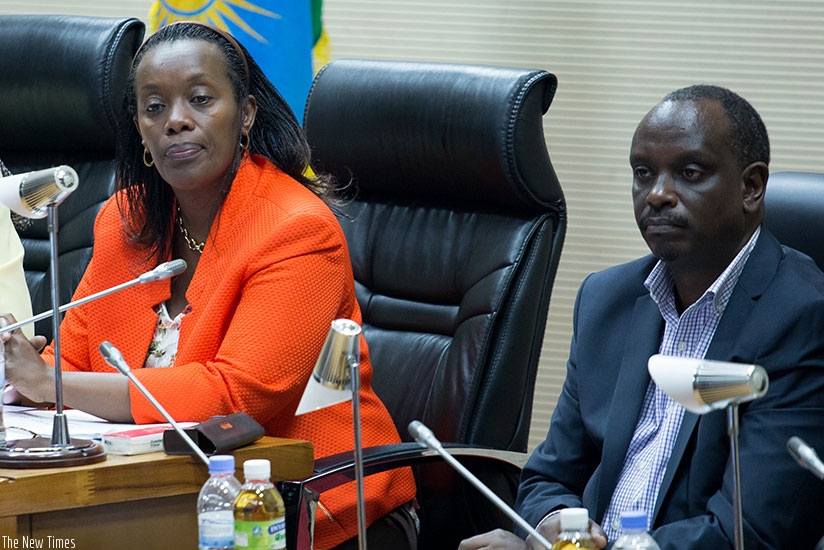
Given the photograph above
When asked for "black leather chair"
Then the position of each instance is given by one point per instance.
(793, 210)
(455, 232)
(61, 85)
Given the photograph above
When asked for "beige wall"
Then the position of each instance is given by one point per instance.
(614, 59)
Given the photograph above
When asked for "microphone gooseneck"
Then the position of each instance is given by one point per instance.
(114, 358)
(425, 437)
(161, 272)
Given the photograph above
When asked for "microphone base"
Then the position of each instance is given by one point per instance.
(39, 452)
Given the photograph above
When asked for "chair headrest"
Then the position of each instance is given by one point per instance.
(414, 131)
(793, 207)
(62, 80)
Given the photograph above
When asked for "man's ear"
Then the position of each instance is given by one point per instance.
(754, 179)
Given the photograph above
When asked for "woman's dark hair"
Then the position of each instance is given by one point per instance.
(276, 134)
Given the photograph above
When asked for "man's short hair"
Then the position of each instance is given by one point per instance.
(749, 134)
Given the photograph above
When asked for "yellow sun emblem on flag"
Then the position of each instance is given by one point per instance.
(213, 12)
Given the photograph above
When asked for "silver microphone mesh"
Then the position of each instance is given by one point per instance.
(341, 347)
(719, 384)
(39, 190)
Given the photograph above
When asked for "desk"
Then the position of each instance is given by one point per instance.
(143, 501)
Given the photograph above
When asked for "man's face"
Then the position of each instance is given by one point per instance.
(687, 188)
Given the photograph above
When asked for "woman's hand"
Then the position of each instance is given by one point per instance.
(25, 369)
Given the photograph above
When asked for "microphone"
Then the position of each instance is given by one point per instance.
(703, 385)
(425, 437)
(805, 456)
(114, 358)
(30, 194)
(159, 273)
(165, 270)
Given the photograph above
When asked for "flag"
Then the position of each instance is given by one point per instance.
(320, 41)
(285, 37)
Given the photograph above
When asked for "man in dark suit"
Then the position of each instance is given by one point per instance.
(717, 286)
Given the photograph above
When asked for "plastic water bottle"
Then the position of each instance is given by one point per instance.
(634, 534)
(260, 516)
(574, 530)
(216, 503)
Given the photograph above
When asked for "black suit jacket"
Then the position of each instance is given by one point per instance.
(775, 318)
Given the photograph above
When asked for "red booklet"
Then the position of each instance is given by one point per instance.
(136, 441)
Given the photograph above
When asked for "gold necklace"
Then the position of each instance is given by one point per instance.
(193, 245)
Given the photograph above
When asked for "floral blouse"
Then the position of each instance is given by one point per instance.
(163, 349)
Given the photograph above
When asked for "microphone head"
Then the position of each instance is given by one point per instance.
(415, 429)
(805, 456)
(341, 347)
(164, 271)
(175, 267)
(702, 385)
(331, 380)
(794, 445)
(113, 357)
(30, 194)
(424, 435)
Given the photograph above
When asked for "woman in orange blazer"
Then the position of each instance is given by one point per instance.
(211, 170)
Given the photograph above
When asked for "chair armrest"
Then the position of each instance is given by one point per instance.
(301, 496)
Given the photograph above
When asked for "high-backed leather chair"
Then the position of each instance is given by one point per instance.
(794, 210)
(455, 232)
(61, 85)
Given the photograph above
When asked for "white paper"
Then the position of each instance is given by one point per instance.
(23, 422)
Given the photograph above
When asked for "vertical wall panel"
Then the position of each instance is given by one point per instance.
(614, 60)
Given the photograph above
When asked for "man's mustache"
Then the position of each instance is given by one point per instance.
(662, 218)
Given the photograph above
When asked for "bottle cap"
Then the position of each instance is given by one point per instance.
(221, 464)
(574, 519)
(633, 520)
(257, 468)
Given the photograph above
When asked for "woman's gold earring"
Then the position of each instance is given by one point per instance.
(149, 162)
(244, 146)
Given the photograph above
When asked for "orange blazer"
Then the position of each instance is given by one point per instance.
(274, 273)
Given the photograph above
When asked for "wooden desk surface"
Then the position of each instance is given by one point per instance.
(145, 476)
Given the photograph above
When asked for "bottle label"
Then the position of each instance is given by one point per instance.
(260, 534)
(216, 529)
